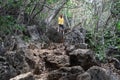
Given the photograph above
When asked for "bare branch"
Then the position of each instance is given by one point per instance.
(40, 9)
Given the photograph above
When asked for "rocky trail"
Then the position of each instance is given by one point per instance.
(69, 60)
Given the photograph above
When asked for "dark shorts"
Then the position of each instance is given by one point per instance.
(61, 26)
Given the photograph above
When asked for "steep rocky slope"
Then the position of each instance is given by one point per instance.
(70, 60)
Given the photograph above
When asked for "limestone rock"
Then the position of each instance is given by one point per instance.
(65, 73)
(56, 61)
(98, 73)
(69, 48)
(54, 36)
(82, 57)
(2, 50)
(81, 46)
(6, 70)
(76, 36)
(17, 60)
(25, 76)
(84, 76)
(33, 32)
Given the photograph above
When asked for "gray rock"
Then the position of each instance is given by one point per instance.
(81, 46)
(33, 32)
(65, 73)
(76, 36)
(25, 76)
(115, 62)
(6, 70)
(113, 52)
(82, 57)
(20, 42)
(54, 36)
(56, 61)
(69, 49)
(98, 73)
(2, 50)
(84, 76)
(34, 61)
(17, 60)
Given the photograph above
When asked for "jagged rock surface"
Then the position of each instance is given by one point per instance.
(82, 57)
(57, 61)
(65, 73)
(6, 70)
(75, 37)
(54, 36)
(98, 73)
(25, 76)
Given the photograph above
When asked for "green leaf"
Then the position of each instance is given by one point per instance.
(118, 25)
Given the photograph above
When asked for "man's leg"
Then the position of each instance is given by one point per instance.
(62, 29)
(58, 28)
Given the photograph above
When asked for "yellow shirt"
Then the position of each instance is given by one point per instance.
(60, 21)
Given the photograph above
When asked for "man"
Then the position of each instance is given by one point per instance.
(61, 24)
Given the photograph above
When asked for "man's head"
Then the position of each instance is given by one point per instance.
(61, 16)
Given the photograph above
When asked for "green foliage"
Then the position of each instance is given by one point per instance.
(8, 25)
(19, 27)
(26, 38)
(51, 1)
(101, 56)
(98, 47)
(70, 4)
(13, 3)
(118, 25)
(116, 8)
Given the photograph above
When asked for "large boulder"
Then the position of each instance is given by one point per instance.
(6, 70)
(54, 36)
(65, 73)
(8, 43)
(17, 60)
(113, 52)
(98, 73)
(75, 36)
(20, 43)
(115, 62)
(70, 48)
(34, 60)
(54, 61)
(84, 76)
(33, 32)
(82, 57)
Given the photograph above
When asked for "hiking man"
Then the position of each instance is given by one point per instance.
(61, 24)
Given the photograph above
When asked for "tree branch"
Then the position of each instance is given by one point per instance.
(39, 10)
